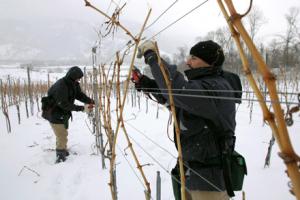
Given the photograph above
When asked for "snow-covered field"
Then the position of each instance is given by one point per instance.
(28, 170)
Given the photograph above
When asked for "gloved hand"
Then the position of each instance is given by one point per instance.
(136, 75)
(136, 78)
(145, 46)
(92, 101)
(88, 108)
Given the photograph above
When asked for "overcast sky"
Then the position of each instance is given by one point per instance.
(206, 18)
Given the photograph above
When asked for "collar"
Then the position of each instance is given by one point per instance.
(69, 81)
(192, 74)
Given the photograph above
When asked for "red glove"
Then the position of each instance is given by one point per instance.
(136, 75)
(88, 108)
(91, 106)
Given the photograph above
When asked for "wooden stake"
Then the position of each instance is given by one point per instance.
(282, 136)
(125, 94)
(177, 131)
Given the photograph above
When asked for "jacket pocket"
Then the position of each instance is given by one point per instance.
(198, 147)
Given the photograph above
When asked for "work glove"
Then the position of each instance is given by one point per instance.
(88, 108)
(145, 46)
(92, 101)
(136, 77)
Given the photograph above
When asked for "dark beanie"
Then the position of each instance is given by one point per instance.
(208, 51)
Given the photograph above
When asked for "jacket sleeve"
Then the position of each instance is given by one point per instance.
(188, 95)
(61, 97)
(80, 96)
(148, 85)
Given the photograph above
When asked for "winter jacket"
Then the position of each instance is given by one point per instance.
(64, 92)
(203, 119)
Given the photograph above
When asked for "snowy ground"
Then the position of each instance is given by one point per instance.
(28, 170)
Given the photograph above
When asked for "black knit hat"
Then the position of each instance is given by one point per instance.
(208, 51)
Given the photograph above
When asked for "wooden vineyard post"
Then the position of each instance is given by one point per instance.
(97, 118)
(177, 131)
(30, 89)
(291, 159)
(4, 105)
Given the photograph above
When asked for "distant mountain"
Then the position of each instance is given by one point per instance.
(45, 40)
(54, 40)
(63, 41)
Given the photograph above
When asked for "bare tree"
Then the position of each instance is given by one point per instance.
(179, 58)
(222, 36)
(255, 20)
(290, 38)
(274, 54)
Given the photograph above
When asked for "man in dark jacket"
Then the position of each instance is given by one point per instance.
(206, 122)
(64, 92)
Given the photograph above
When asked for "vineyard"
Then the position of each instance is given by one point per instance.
(125, 149)
(148, 131)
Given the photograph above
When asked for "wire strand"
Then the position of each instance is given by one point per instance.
(206, 90)
(225, 98)
(164, 12)
(154, 159)
(168, 26)
(164, 149)
(210, 183)
(132, 168)
(177, 20)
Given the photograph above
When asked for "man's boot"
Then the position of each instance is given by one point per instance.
(67, 153)
(60, 155)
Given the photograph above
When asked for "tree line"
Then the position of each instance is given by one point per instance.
(282, 51)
